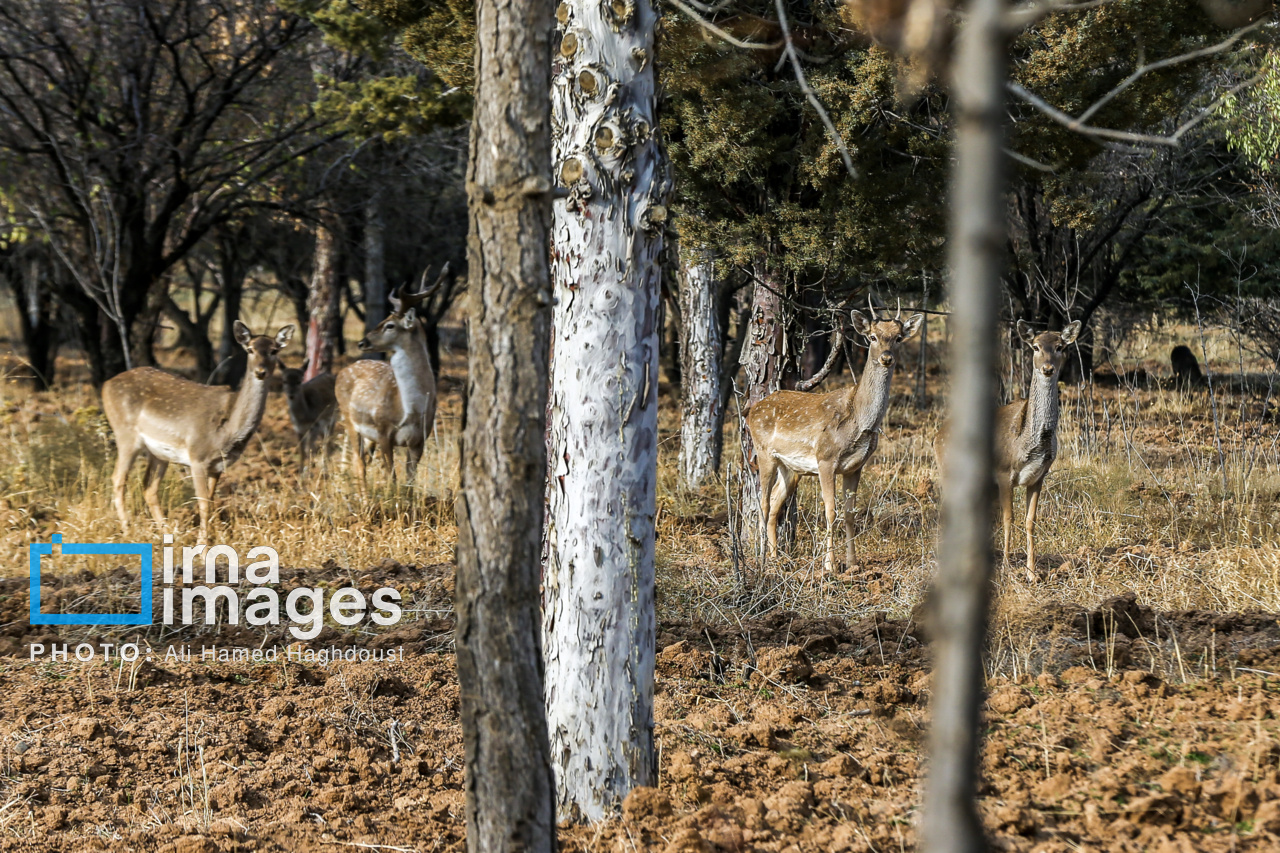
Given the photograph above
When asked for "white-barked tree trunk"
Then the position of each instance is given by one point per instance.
(701, 419)
(603, 413)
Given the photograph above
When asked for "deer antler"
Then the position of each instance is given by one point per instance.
(402, 302)
(871, 306)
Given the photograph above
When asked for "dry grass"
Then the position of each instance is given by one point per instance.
(1138, 499)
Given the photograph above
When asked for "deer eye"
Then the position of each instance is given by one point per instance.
(873, 339)
(1035, 348)
(898, 339)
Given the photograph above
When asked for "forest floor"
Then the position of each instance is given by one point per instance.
(1142, 731)
(1134, 682)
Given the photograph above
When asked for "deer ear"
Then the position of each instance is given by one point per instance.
(860, 323)
(243, 336)
(1070, 333)
(410, 317)
(1024, 332)
(283, 337)
(912, 326)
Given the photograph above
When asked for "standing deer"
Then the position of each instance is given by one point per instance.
(313, 408)
(392, 404)
(797, 434)
(170, 419)
(1026, 432)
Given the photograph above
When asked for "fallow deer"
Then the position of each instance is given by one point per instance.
(392, 403)
(313, 409)
(168, 419)
(1026, 432)
(800, 434)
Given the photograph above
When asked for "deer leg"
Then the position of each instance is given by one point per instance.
(387, 449)
(119, 482)
(827, 480)
(357, 453)
(155, 473)
(200, 480)
(851, 482)
(1033, 501)
(411, 463)
(768, 470)
(1006, 511)
(784, 484)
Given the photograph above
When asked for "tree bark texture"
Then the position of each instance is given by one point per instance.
(509, 784)
(603, 431)
(962, 590)
(324, 299)
(702, 415)
(764, 355)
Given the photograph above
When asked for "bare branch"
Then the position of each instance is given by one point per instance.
(808, 92)
(1173, 140)
(722, 33)
(1021, 17)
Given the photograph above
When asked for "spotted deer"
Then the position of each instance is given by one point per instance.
(1026, 433)
(167, 419)
(313, 409)
(392, 403)
(798, 434)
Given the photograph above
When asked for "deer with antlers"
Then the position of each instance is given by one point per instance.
(799, 434)
(392, 403)
(168, 419)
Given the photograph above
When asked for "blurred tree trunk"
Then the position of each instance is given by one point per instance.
(375, 262)
(509, 784)
(701, 346)
(324, 302)
(960, 598)
(603, 430)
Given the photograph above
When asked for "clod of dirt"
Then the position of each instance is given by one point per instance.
(683, 767)
(787, 665)
(1181, 781)
(1161, 808)
(684, 660)
(646, 802)
(87, 728)
(688, 840)
(1008, 700)
(842, 766)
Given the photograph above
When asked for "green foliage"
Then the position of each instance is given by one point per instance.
(756, 169)
(438, 33)
(372, 95)
(1251, 117)
(388, 107)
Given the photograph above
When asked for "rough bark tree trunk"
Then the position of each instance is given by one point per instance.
(764, 358)
(961, 592)
(323, 299)
(509, 784)
(701, 345)
(603, 436)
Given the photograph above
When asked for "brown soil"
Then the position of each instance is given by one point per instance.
(1124, 729)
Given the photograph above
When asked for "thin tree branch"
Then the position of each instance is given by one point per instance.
(809, 93)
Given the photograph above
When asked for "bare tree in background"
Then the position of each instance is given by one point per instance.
(603, 429)
(509, 784)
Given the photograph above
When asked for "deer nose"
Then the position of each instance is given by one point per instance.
(1046, 369)
(260, 372)
(886, 359)
(363, 345)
